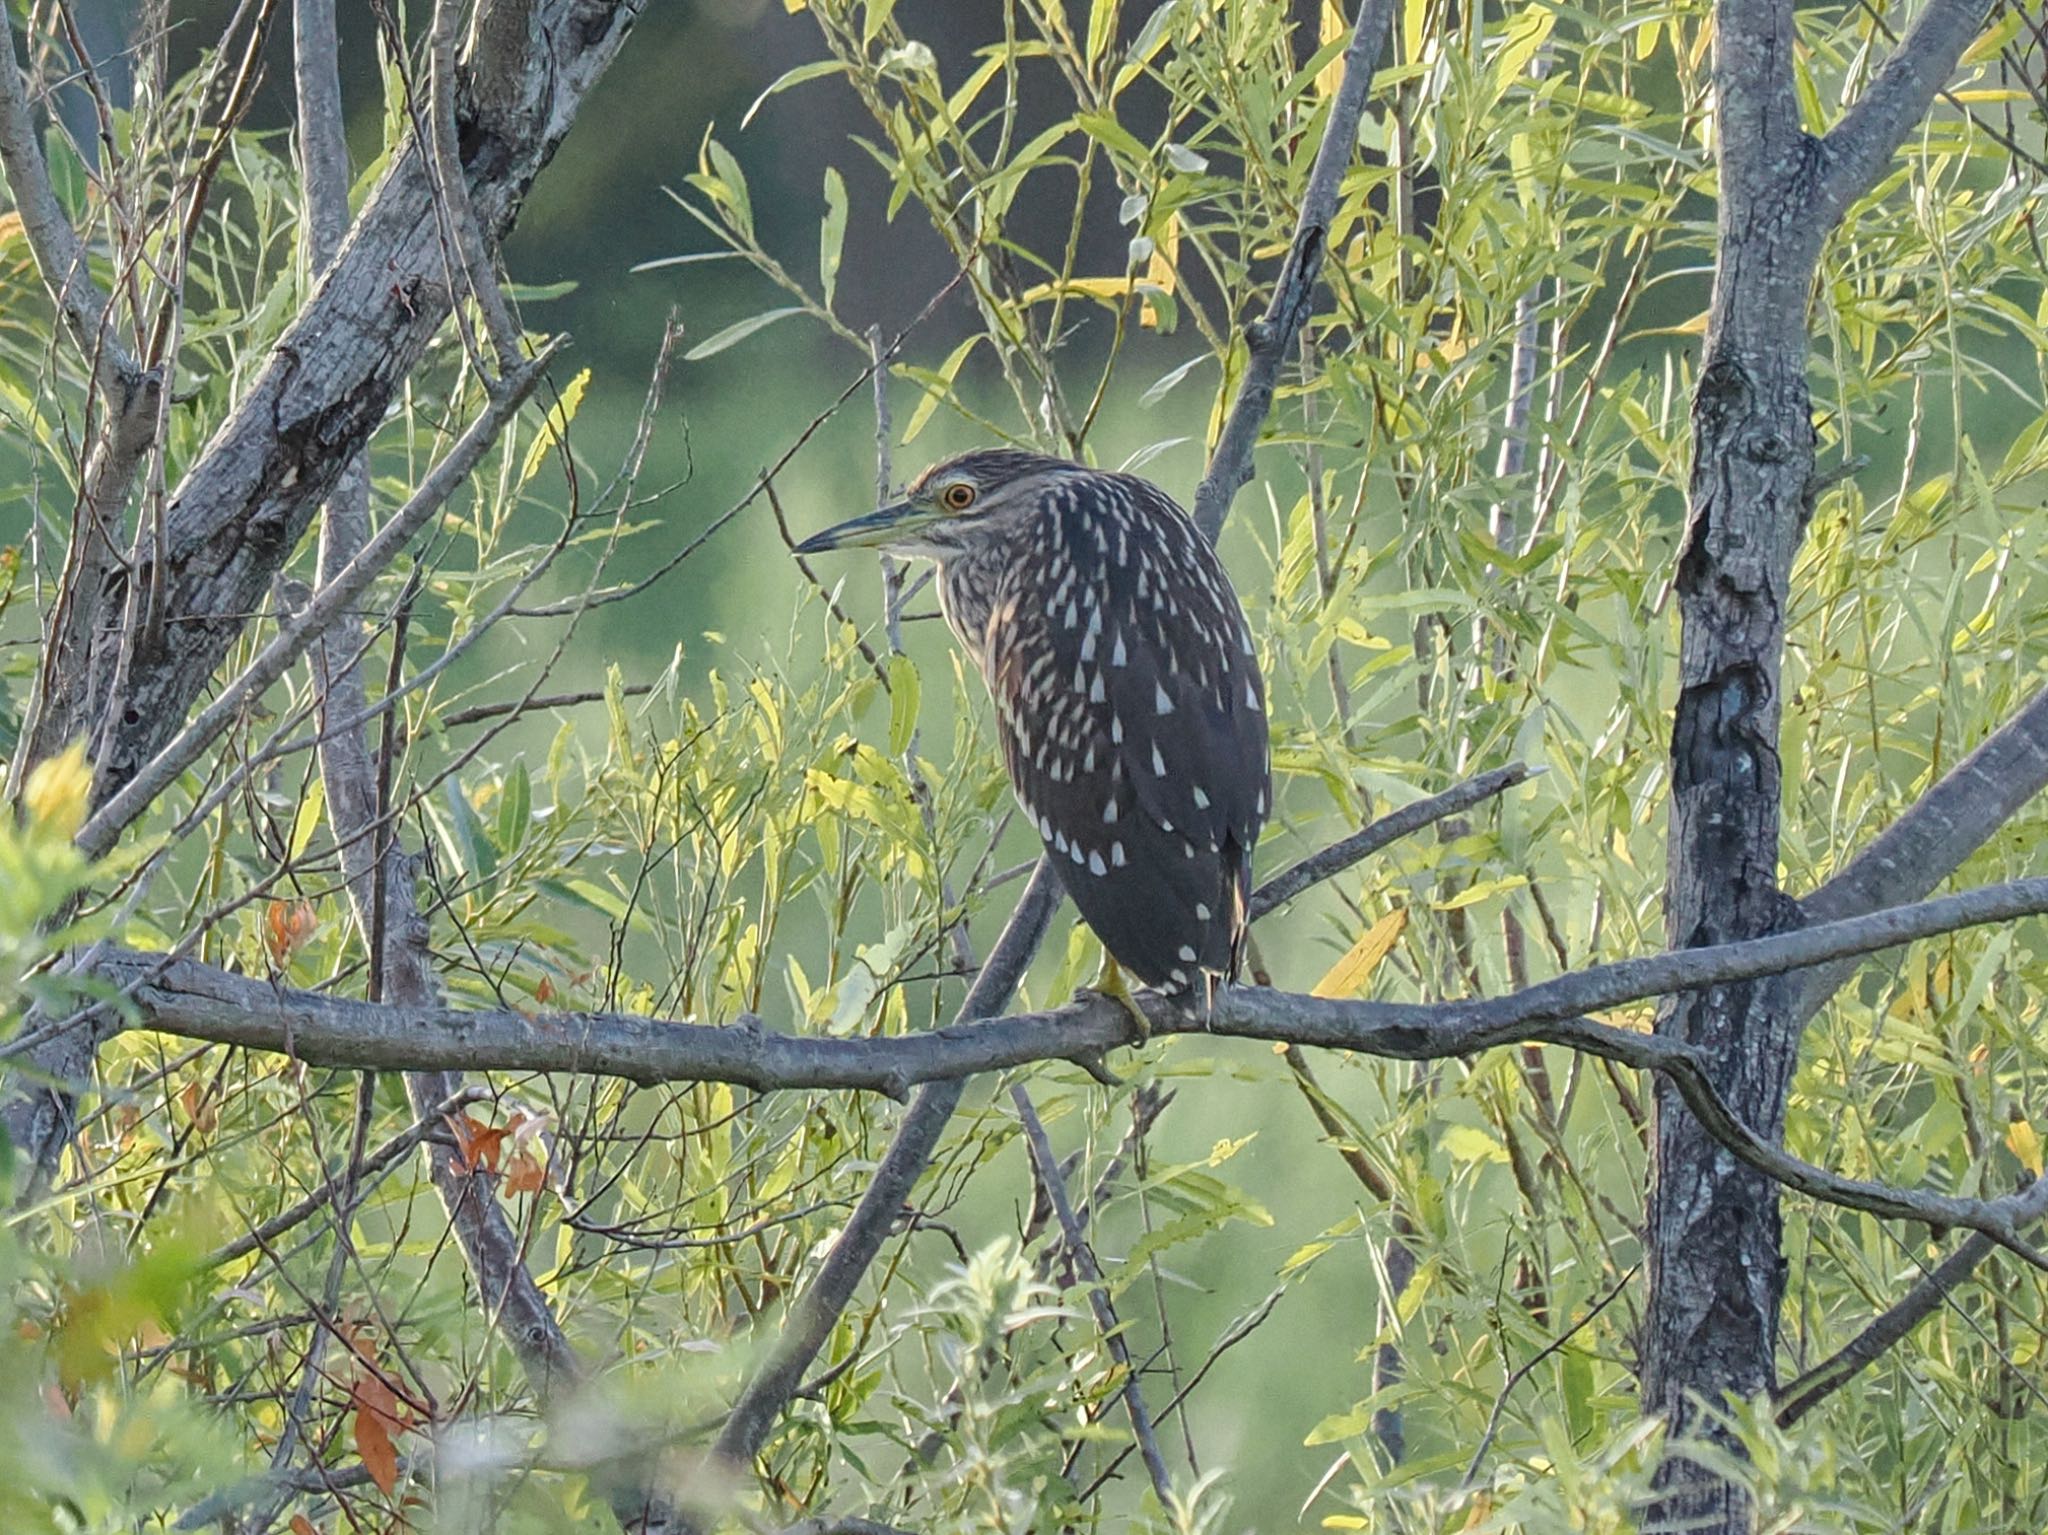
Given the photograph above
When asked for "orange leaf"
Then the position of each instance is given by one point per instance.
(544, 993)
(1347, 978)
(198, 1104)
(378, 1412)
(523, 1175)
(286, 927)
(476, 1144)
(379, 1455)
(301, 1525)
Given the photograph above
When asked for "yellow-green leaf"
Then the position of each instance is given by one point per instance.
(1472, 895)
(903, 700)
(2025, 1144)
(737, 332)
(1525, 34)
(1468, 1143)
(1102, 27)
(1348, 977)
(1994, 37)
(555, 426)
(307, 821)
(832, 233)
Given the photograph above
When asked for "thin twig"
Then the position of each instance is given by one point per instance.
(1521, 1372)
(817, 1310)
(52, 242)
(368, 1167)
(1929, 1293)
(1366, 841)
(1083, 1264)
(139, 792)
(1233, 1335)
(476, 714)
(1271, 338)
(453, 205)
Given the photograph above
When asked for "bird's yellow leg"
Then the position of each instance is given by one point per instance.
(1111, 982)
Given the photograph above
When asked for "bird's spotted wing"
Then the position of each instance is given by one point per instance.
(1133, 722)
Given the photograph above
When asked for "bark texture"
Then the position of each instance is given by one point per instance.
(1716, 1262)
(246, 503)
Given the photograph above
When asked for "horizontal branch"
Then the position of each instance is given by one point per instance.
(195, 1001)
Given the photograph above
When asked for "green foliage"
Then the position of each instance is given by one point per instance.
(785, 823)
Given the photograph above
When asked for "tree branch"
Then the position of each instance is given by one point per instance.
(1270, 339)
(1363, 843)
(1931, 839)
(136, 795)
(1891, 1326)
(323, 141)
(817, 1310)
(249, 497)
(1859, 147)
(197, 1001)
(59, 255)
(1081, 1262)
(1756, 109)
(472, 255)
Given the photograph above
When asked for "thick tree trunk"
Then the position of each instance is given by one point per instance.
(245, 504)
(1715, 1259)
(1716, 1262)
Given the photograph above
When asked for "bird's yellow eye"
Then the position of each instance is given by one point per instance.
(957, 497)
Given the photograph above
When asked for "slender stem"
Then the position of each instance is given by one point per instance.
(1082, 1261)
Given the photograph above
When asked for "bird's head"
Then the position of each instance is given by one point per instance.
(954, 507)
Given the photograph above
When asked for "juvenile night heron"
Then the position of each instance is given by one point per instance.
(1132, 711)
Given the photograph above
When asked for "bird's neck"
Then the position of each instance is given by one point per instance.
(970, 585)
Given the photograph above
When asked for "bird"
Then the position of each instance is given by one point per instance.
(1127, 691)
